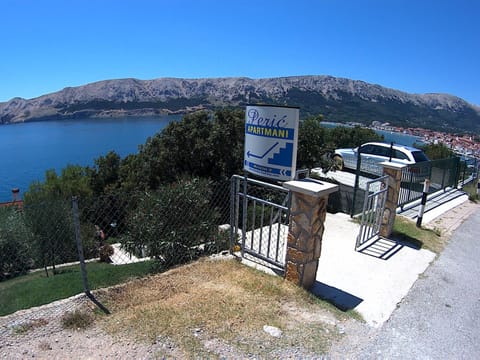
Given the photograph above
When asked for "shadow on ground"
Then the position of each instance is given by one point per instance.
(339, 298)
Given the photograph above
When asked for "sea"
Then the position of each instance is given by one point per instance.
(389, 136)
(27, 150)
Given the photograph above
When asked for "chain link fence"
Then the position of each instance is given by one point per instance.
(57, 249)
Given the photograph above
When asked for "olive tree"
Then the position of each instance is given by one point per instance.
(16, 256)
(172, 223)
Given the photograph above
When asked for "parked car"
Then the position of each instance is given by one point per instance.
(374, 153)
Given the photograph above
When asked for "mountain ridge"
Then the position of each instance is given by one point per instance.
(338, 99)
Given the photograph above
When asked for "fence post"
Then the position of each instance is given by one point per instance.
(81, 257)
(233, 213)
(426, 186)
(78, 239)
(394, 172)
(357, 180)
(244, 213)
(410, 184)
(305, 230)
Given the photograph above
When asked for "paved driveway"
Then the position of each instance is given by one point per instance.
(440, 317)
(372, 282)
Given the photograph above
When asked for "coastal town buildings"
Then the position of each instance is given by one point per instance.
(465, 144)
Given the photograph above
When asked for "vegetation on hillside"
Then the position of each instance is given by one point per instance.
(437, 151)
(210, 145)
(179, 173)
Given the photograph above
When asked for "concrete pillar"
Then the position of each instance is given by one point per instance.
(307, 217)
(394, 172)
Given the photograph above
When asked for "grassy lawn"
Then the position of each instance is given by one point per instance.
(37, 289)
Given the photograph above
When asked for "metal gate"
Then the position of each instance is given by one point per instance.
(259, 215)
(373, 208)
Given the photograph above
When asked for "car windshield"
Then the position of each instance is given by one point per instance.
(419, 156)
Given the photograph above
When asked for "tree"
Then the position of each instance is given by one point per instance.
(16, 255)
(74, 180)
(104, 176)
(346, 137)
(186, 148)
(437, 151)
(227, 139)
(311, 143)
(50, 221)
(169, 224)
(202, 144)
(48, 214)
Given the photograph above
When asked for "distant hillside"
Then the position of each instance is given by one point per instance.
(338, 99)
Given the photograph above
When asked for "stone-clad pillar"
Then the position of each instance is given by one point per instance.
(307, 217)
(394, 172)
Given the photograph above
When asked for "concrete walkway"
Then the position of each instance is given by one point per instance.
(371, 284)
(374, 281)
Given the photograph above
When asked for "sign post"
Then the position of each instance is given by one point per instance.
(271, 136)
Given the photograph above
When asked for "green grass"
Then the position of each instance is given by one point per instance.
(406, 230)
(471, 190)
(37, 289)
(77, 320)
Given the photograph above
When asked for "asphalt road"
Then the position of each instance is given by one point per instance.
(440, 317)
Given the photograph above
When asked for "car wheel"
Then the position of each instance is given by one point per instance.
(337, 159)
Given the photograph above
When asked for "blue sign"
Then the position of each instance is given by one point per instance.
(271, 135)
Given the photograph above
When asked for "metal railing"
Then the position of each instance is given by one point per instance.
(373, 208)
(260, 215)
(443, 174)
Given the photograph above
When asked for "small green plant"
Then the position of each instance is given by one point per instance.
(437, 231)
(77, 320)
(471, 190)
(25, 327)
(221, 241)
(406, 230)
(105, 252)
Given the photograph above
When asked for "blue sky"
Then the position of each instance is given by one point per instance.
(418, 46)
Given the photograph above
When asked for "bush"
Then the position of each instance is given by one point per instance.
(170, 224)
(15, 240)
(105, 252)
(51, 223)
(77, 320)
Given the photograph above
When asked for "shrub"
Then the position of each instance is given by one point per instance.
(170, 224)
(105, 252)
(77, 320)
(50, 221)
(15, 243)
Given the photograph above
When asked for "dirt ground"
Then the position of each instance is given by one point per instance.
(44, 337)
(212, 308)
